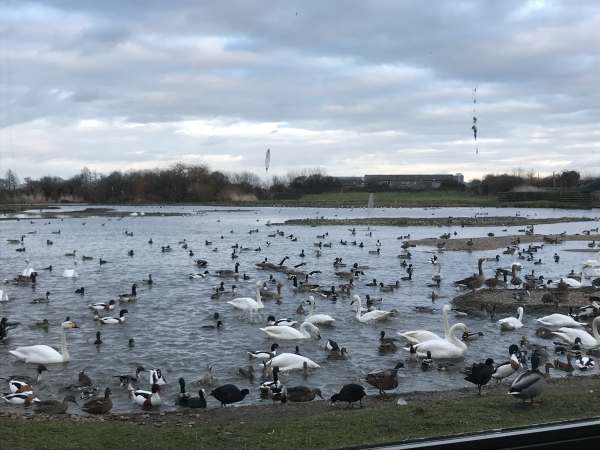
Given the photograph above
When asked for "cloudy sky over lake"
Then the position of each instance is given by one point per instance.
(353, 87)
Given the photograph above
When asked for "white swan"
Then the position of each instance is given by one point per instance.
(291, 361)
(43, 354)
(318, 319)
(587, 340)
(449, 348)
(3, 296)
(248, 304)
(512, 323)
(306, 331)
(558, 321)
(371, 316)
(418, 336)
(70, 273)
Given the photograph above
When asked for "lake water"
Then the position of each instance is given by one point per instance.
(167, 317)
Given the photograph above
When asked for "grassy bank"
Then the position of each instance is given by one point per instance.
(398, 199)
(315, 425)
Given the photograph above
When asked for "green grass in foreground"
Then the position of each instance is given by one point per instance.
(329, 428)
(427, 198)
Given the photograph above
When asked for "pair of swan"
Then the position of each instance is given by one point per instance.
(371, 316)
(587, 340)
(449, 347)
(307, 330)
(43, 354)
(512, 323)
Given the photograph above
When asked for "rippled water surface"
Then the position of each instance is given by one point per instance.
(167, 317)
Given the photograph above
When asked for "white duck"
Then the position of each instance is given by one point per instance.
(318, 319)
(248, 304)
(306, 331)
(42, 354)
(587, 340)
(418, 336)
(558, 321)
(371, 316)
(291, 361)
(103, 306)
(449, 348)
(512, 323)
(25, 398)
(506, 369)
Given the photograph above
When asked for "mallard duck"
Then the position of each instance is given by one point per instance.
(99, 405)
(54, 406)
(529, 384)
(386, 344)
(384, 379)
(302, 394)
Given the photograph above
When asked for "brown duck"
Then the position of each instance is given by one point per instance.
(384, 379)
(99, 405)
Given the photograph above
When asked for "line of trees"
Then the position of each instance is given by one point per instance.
(494, 184)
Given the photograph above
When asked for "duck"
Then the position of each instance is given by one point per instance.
(481, 373)
(584, 363)
(508, 368)
(587, 340)
(371, 316)
(209, 378)
(248, 304)
(530, 383)
(104, 306)
(291, 361)
(69, 324)
(386, 344)
(448, 348)
(318, 319)
(156, 377)
(302, 394)
(512, 323)
(146, 399)
(99, 405)
(44, 299)
(42, 354)
(350, 393)
(384, 379)
(112, 320)
(126, 379)
(54, 406)
(263, 354)
(126, 298)
(271, 321)
(204, 274)
(558, 321)
(80, 291)
(149, 280)
(229, 393)
(24, 384)
(271, 387)
(565, 367)
(418, 336)
(307, 331)
(25, 399)
(184, 399)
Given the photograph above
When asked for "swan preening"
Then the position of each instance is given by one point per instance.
(587, 340)
(512, 323)
(42, 354)
(418, 336)
(449, 348)
(371, 316)
(306, 331)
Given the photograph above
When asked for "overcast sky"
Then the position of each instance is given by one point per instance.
(353, 87)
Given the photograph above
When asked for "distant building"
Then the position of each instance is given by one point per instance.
(351, 182)
(412, 182)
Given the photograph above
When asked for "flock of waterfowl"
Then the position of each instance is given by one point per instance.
(423, 348)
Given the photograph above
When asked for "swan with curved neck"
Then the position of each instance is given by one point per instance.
(418, 336)
(307, 330)
(587, 340)
(318, 319)
(370, 316)
(449, 348)
(559, 320)
(43, 354)
(512, 323)
(248, 304)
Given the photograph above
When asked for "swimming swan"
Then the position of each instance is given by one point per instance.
(306, 331)
(371, 316)
(43, 354)
(291, 361)
(418, 336)
(248, 304)
(559, 320)
(512, 323)
(587, 340)
(318, 319)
